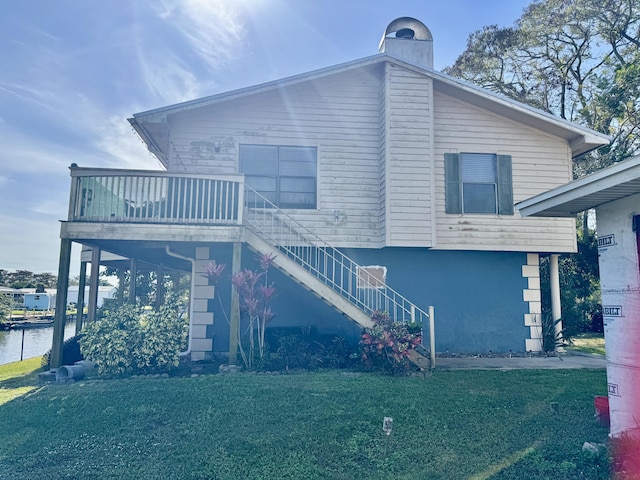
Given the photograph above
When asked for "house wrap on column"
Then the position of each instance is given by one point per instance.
(411, 173)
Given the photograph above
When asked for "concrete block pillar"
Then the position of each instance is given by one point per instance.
(531, 295)
(201, 346)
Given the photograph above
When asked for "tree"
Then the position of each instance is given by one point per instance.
(577, 59)
(48, 280)
(6, 304)
(146, 285)
(27, 279)
(579, 287)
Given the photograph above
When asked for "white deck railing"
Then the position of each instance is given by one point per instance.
(105, 195)
(143, 196)
(363, 289)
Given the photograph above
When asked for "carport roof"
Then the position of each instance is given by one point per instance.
(604, 186)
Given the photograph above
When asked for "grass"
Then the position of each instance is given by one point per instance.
(592, 343)
(18, 378)
(458, 424)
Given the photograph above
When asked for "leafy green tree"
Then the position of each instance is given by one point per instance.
(20, 279)
(47, 280)
(27, 279)
(6, 303)
(579, 287)
(577, 59)
(146, 284)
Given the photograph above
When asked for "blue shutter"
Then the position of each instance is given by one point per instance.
(505, 185)
(453, 202)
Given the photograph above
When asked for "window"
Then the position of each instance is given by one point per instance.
(284, 175)
(478, 183)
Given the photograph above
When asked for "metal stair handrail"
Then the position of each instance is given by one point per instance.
(328, 264)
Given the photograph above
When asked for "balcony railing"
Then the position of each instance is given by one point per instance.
(105, 195)
(358, 285)
(142, 196)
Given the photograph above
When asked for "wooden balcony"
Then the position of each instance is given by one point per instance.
(143, 205)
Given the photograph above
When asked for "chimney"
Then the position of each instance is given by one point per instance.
(408, 39)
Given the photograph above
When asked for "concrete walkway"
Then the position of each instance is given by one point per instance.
(565, 360)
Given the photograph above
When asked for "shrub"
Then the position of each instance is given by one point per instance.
(551, 340)
(288, 349)
(625, 454)
(127, 339)
(70, 352)
(387, 344)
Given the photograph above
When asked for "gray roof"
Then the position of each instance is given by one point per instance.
(612, 183)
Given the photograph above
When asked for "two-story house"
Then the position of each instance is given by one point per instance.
(380, 184)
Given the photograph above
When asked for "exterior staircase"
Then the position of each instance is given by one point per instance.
(327, 272)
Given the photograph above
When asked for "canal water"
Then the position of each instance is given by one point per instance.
(37, 341)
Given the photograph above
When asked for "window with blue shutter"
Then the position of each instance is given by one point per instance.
(478, 183)
(284, 175)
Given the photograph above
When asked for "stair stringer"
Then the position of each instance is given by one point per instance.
(308, 280)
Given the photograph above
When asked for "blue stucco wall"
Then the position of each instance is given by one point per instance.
(477, 297)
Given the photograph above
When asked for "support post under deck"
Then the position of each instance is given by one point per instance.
(235, 307)
(55, 360)
(80, 300)
(94, 280)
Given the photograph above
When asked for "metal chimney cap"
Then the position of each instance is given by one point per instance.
(400, 25)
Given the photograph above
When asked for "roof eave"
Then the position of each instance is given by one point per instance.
(149, 141)
(586, 192)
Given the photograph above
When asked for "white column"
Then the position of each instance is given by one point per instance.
(556, 308)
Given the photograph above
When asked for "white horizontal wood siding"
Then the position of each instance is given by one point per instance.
(539, 161)
(384, 101)
(409, 210)
(339, 115)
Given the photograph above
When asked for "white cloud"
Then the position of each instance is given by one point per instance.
(166, 76)
(24, 154)
(122, 147)
(213, 28)
(69, 103)
(40, 97)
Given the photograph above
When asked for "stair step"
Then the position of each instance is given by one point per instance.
(421, 361)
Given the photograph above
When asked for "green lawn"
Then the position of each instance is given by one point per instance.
(592, 343)
(453, 425)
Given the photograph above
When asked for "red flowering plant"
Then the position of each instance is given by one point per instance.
(255, 295)
(213, 272)
(387, 344)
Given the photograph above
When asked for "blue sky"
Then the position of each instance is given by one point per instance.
(73, 71)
